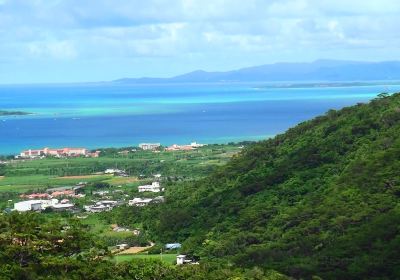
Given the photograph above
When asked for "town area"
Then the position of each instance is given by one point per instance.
(98, 186)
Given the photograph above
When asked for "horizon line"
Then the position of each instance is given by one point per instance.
(116, 80)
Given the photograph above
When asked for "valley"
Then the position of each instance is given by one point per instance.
(319, 200)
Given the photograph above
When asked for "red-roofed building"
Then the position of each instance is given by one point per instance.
(68, 152)
(63, 193)
(192, 146)
(35, 196)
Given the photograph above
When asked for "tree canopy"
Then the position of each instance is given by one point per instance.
(321, 199)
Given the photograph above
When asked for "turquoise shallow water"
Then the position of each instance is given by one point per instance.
(103, 115)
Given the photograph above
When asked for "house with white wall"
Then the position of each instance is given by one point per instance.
(154, 187)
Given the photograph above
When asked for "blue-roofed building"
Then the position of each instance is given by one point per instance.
(171, 246)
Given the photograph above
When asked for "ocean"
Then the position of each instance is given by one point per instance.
(118, 115)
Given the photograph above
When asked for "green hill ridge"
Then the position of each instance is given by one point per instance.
(321, 199)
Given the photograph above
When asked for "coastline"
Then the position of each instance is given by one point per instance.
(5, 113)
(121, 117)
(216, 141)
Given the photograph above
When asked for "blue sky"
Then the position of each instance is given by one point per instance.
(95, 40)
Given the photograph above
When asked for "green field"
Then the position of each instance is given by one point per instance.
(167, 258)
(30, 175)
(97, 226)
(40, 182)
(100, 228)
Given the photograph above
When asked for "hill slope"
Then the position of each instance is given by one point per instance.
(320, 70)
(321, 199)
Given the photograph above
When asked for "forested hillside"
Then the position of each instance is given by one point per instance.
(32, 247)
(321, 199)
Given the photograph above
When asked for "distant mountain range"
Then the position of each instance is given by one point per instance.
(317, 71)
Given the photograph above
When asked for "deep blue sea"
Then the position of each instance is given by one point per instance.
(116, 115)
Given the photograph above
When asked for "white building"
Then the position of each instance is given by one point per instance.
(29, 205)
(139, 201)
(38, 205)
(110, 203)
(49, 203)
(63, 206)
(113, 171)
(180, 259)
(154, 187)
(101, 192)
(96, 208)
(196, 145)
(101, 206)
(192, 146)
(123, 246)
(149, 146)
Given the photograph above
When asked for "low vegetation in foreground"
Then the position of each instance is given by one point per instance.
(33, 247)
(319, 201)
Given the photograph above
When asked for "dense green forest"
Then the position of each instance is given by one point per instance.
(321, 199)
(33, 247)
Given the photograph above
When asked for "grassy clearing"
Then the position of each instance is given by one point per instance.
(110, 233)
(40, 182)
(100, 228)
(24, 183)
(167, 258)
(97, 225)
(122, 180)
(16, 188)
(82, 177)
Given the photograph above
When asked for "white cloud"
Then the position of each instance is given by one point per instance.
(210, 34)
(54, 49)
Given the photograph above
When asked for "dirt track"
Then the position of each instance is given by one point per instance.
(133, 250)
(79, 177)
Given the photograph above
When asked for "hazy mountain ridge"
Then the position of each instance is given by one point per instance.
(319, 70)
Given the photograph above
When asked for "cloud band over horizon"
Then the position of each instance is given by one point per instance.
(74, 41)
